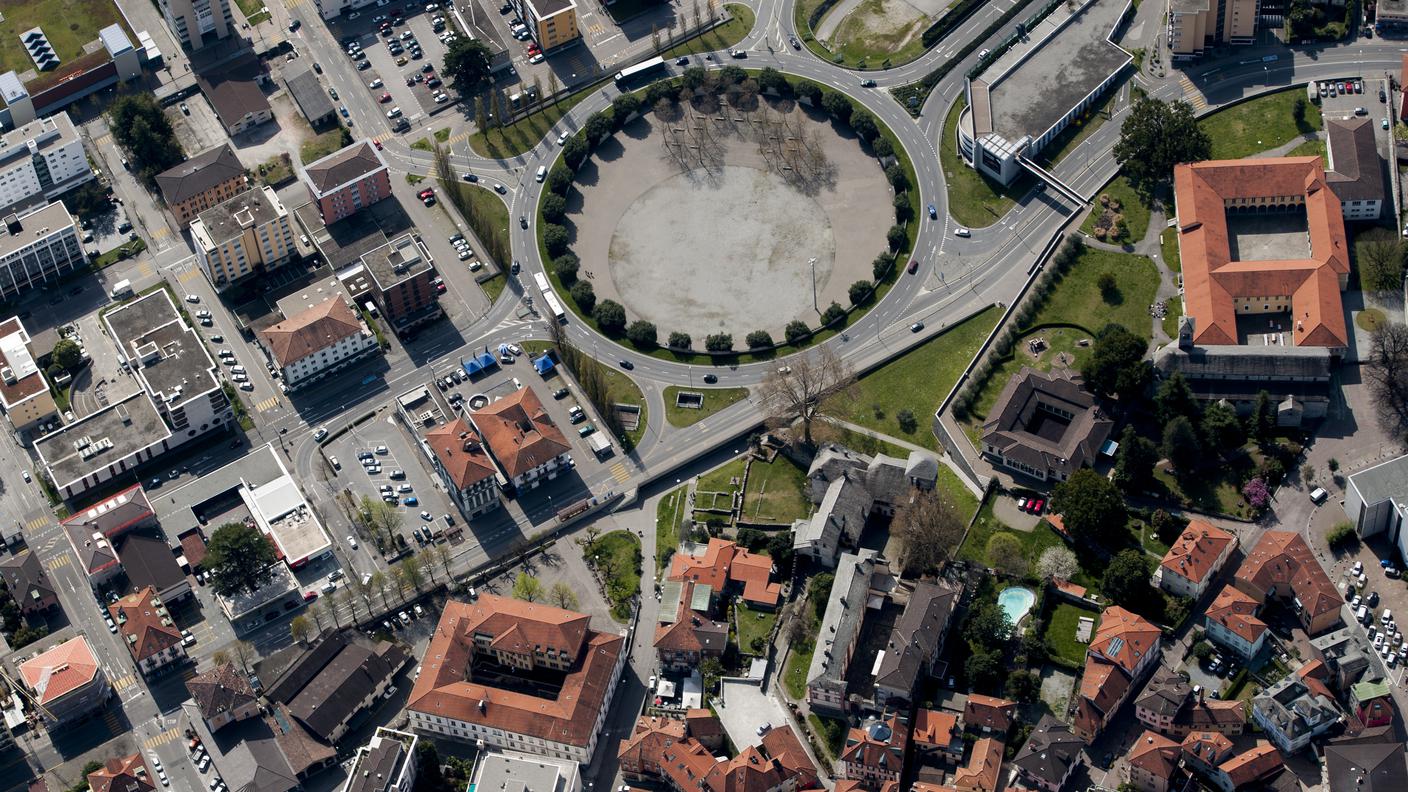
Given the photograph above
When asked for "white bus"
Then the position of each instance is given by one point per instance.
(639, 72)
(555, 306)
(542, 281)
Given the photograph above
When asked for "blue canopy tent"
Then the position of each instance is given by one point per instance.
(479, 363)
(544, 365)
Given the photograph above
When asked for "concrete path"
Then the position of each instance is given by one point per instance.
(834, 18)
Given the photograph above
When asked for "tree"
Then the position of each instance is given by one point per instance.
(833, 312)
(379, 582)
(623, 107)
(299, 628)
(903, 210)
(1090, 505)
(584, 295)
(1222, 428)
(796, 331)
(1181, 446)
(718, 342)
(610, 316)
(566, 267)
(575, 151)
(67, 353)
(1134, 469)
(560, 179)
(1155, 137)
(379, 518)
(243, 653)
(1057, 563)
(1022, 686)
(1262, 419)
(927, 531)
(679, 340)
(597, 129)
(770, 79)
(527, 588)
(859, 292)
(880, 267)
(1386, 372)
(429, 777)
(896, 237)
(554, 208)
(983, 669)
(562, 596)
(1175, 398)
(141, 128)
(221, 657)
(838, 106)
(1116, 365)
(1004, 553)
(806, 389)
(240, 559)
(863, 124)
(897, 178)
(467, 61)
(906, 420)
(642, 333)
(883, 148)
(1126, 579)
(711, 669)
(555, 239)
(987, 625)
(413, 571)
(758, 339)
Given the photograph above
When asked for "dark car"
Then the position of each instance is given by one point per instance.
(560, 393)
(916, 327)
(933, 212)
(513, 269)
(294, 25)
(710, 378)
(682, 61)
(627, 365)
(913, 266)
(523, 220)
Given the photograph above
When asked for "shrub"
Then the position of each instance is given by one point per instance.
(883, 148)
(610, 316)
(575, 151)
(555, 239)
(796, 331)
(880, 267)
(903, 210)
(1342, 534)
(718, 342)
(897, 177)
(758, 339)
(863, 124)
(622, 107)
(584, 295)
(554, 207)
(679, 340)
(833, 312)
(598, 128)
(906, 420)
(859, 292)
(641, 333)
(566, 267)
(839, 106)
(560, 179)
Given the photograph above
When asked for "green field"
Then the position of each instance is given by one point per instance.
(1061, 632)
(522, 135)
(720, 38)
(973, 199)
(1259, 124)
(918, 381)
(620, 389)
(715, 399)
(323, 145)
(1135, 213)
(718, 479)
(67, 24)
(1168, 249)
(776, 493)
(623, 548)
(668, 514)
(863, 38)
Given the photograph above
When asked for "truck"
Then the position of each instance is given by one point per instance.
(599, 444)
(122, 288)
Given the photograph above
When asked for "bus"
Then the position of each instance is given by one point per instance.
(639, 72)
(555, 306)
(542, 281)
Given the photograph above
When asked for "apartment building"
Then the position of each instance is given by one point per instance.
(24, 577)
(1296, 709)
(24, 394)
(1283, 566)
(148, 630)
(244, 236)
(1232, 623)
(346, 181)
(1124, 649)
(122, 774)
(553, 23)
(38, 248)
(1196, 26)
(66, 681)
(874, 751)
(196, 24)
(396, 278)
(457, 452)
(40, 160)
(318, 341)
(202, 182)
(522, 438)
(223, 695)
(387, 763)
(1194, 559)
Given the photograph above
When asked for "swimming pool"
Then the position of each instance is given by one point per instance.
(1016, 601)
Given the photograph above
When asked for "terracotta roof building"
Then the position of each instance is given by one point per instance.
(1194, 559)
(721, 564)
(347, 181)
(874, 752)
(782, 745)
(209, 178)
(665, 749)
(28, 583)
(705, 727)
(984, 765)
(937, 737)
(66, 681)
(688, 635)
(1152, 763)
(988, 714)
(1049, 757)
(458, 454)
(1124, 647)
(127, 774)
(223, 695)
(1045, 424)
(1214, 199)
(1282, 565)
(522, 438)
(1168, 705)
(148, 630)
(1354, 169)
(1255, 764)
(1232, 622)
(642, 753)
(446, 701)
(318, 341)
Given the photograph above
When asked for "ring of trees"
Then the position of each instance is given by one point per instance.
(734, 85)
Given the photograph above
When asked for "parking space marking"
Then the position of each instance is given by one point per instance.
(57, 562)
(619, 472)
(37, 523)
(165, 737)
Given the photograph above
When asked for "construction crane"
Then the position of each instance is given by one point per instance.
(23, 692)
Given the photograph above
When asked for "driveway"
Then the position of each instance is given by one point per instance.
(742, 708)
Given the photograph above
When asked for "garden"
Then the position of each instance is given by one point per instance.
(616, 558)
(1261, 124)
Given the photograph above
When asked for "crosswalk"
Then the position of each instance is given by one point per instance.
(462, 137)
(168, 736)
(1192, 94)
(36, 523)
(145, 268)
(110, 719)
(161, 233)
(619, 472)
(189, 275)
(292, 4)
(104, 140)
(124, 682)
(58, 562)
(271, 403)
(596, 28)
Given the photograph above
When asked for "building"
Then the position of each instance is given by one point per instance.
(196, 24)
(1124, 648)
(347, 180)
(336, 679)
(1354, 170)
(148, 630)
(244, 236)
(1370, 762)
(1232, 623)
(915, 643)
(48, 91)
(279, 596)
(859, 577)
(1289, 286)
(202, 182)
(273, 753)
(66, 682)
(310, 96)
(1045, 424)
(846, 487)
(1392, 14)
(28, 584)
(37, 249)
(457, 453)
(1373, 704)
(984, 766)
(563, 723)
(521, 438)
(318, 341)
(388, 764)
(235, 95)
(1295, 711)
(396, 278)
(686, 634)
(91, 532)
(180, 400)
(1345, 653)
(125, 774)
(1376, 500)
(1048, 758)
(641, 754)
(724, 566)
(553, 23)
(669, 751)
(937, 737)
(1282, 566)
(40, 161)
(1169, 705)
(988, 714)
(150, 563)
(1152, 763)
(24, 393)
(1194, 559)
(1002, 131)
(499, 770)
(1195, 26)
(223, 696)
(873, 753)
(1255, 764)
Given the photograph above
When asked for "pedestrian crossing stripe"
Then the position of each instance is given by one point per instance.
(161, 233)
(125, 682)
(111, 720)
(145, 268)
(104, 140)
(188, 275)
(595, 28)
(460, 138)
(170, 735)
(57, 562)
(619, 472)
(37, 523)
(268, 404)
(1195, 97)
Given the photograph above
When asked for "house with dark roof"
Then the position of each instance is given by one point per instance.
(273, 753)
(387, 763)
(861, 577)
(335, 679)
(310, 96)
(1169, 706)
(1045, 424)
(1049, 757)
(234, 93)
(28, 583)
(847, 487)
(1282, 566)
(1345, 653)
(209, 178)
(522, 439)
(1354, 169)
(223, 696)
(316, 342)
(150, 563)
(347, 181)
(1296, 710)
(916, 641)
(1372, 761)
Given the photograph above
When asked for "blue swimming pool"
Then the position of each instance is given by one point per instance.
(1016, 602)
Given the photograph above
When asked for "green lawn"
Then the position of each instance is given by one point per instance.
(720, 38)
(442, 135)
(962, 498)
(522, 135)
(1168, 249)
(323, 145)
(1173, 312)
(489, 221)
(715, 399)
(276, 170)
(718, 479)
(832, 731)
(794, 676)
(620, 389)
(668, 514)
(1034, 543)
(126, 250)
(623, 548)
(973, 199)
(1259, 124)
(423, 145)
(862, 39)
(1310, 148)
(777, 492)
(67, 24)
(1132, 209)
(918, 381)
(1080, 129)
(494, 286)
(831, 433)
(753, 624)
(1061, 632)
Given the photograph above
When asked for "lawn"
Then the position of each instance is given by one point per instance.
(878, 32)
(1132, 209)
(323, 145)
(1219, 495)
(1259, 124)
(962, 498)
(489, 221)
(494, 286)
(918, 381)
(621, 390)
(276, 170)
(1080, 129)
(715, 399)
(799, 661)
(1173, 311)
(68, 24)
(973, 199)
(668, 514)
(618, 553)
(423, 145)
(1168, 249)
(720, 38)
(525, 133)
(1310, 148)
(124, 251)
(1061, 632)
(1034, 543)
(719, 479)
(832, 731)
(777, 492)
(864, 443)
(753, 625)
(442, 135)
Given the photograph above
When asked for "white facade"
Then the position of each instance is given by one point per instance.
(194, 22)
(1361, 210)
(37, 249)
(329, 359)
(42, 158)
(171, 655)
(1231, 641)
(329, 9)
(233, 243)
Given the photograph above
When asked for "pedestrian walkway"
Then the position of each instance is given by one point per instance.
(170, 735)
(1192, 94)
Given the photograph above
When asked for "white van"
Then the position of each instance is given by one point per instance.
(542, 172)
(237, 370)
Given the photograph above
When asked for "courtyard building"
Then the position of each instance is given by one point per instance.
(245, 236)
(24, 393)
(860, 576)
(522, 439)
(37, 248)
(916, 642)
(202, 182)
(148, 631)
(1045, 424)
(1194, 559)
(66, 682)
(1283, 567)
(39, 161)
(847, 488)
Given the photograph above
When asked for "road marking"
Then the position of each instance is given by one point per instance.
(37, 523)
(188, 275)
(170, 735)
(1191, 92)
(124, 682)
(104, 140)
(57, 562)
(161, 233)
(270, 403)
(596, 28)
(110, 719)
(619, 472)
(145, 268)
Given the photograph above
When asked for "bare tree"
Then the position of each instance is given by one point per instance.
(316, 615)
(928, 530)
(379, 582)
(243, 653)
(655, 38)
(798, 621)
(807, 389)
(442, 553)
(552, 86)
(427, 563)
(221, 657)
(1386, 372)
(300, 628)
(402, 580)
(1057, 563)
(414, 571)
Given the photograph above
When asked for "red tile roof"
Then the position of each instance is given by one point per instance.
(314, 328)
(1253, 764)
(145, 624)
(1211, 747)
(1196, 551)
(519, 432)
(646, 745)
(691, 632)
(722, 562)
(1124, 638)
(127, 774)
(61, 670)
(460, 452)
(1235, 610)
(984, 764)
(989, 712)
(1155, 754)
(784, 747)
(934, 727)
(1283, 559)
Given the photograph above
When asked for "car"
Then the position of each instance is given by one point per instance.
(187, 639)
(429, 200)
(193, 298)
(1361, 111)
(933, 212)
(464, 254)
(738, 53)
(25, 474)
(343, 111)
(514, 268)
(394, 112)
(363, 65)
(440, 98)
(333, 93)
(1324, 90)
(500, 189)
(112, 626)
(515, 349)
(796, 45)
(402, 61)
(432, 7)
(434, 82)
(538, 58)
(962, 232)
(1318, 495)
(351, 540)
(867, 83)
(294, 26)
(523, 221)
(1387, 616)
(1036, 506)
(427, 516)
(913, 266)
(916, 327)
(711, 378)
(983, 53)
(410, 501)
(185, 108)
(426, 192)
(469, 177)
(1022, 504)
(764, 728)
(376, 143)
(627, 365)
(1373, 600)
(1383, 97)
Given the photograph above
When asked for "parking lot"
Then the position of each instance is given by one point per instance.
(406, 74)
(1392, 596)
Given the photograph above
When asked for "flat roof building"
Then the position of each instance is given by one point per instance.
(38, 248)
(346, 181)
(245, 236)
(387, 763)
(396, 277)
(41, 160)
(24, 393)
(1376, 501)
(509, 771)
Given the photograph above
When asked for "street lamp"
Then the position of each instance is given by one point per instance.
(815, 306)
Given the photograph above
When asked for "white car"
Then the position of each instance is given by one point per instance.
(465, 254)
(352, 541)
(246, 386)
(393, 112)
(441, 98)
(192, 298)
(537, 58)
(320, 434)
(112, 626)
(962, 232)
(562, 139)
(377, 83)
(515, 349)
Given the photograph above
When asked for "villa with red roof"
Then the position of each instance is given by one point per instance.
(667, 750)
(66, 681)
(126, 774)
(1232, 623)
(1283, 566)
(457, 452)
(1194, 559)
(1124, 648)
(148, 630)
(1152, 762)
(874, 751)
(721, 563)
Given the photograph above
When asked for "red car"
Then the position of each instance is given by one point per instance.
(377, 143)
(913, 266)
(426, 193)
(1036, 506)
(386, 97)
(309, 596)
(439, 288)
